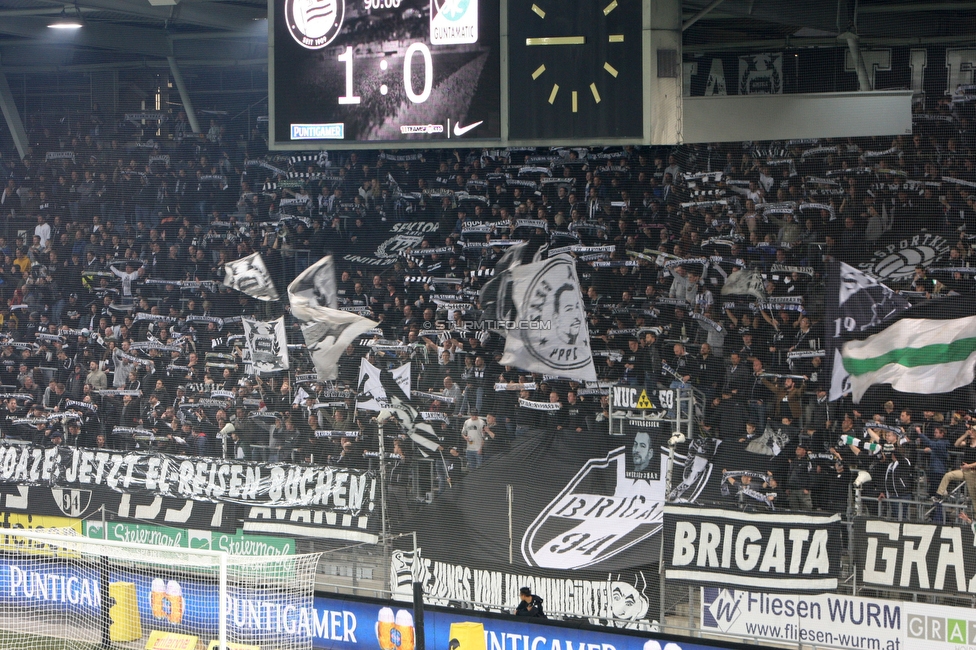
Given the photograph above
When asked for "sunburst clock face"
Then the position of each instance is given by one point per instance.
(575, 69)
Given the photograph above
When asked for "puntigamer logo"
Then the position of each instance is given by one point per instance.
(957, 631)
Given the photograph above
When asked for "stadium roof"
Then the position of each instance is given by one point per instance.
(125, 32)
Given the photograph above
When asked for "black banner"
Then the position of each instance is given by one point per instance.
(383, 249)
(171, 489)
(792, 552)
(142, 507)
(322, 523)
(585, 532)
(919, 557)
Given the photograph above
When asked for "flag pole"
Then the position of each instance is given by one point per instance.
(382, 479)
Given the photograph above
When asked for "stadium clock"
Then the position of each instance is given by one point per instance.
(394, 71)
(575, 69)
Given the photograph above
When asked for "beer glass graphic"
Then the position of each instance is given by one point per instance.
(174, 596)
(166, 600)
(395, 632)
(403, 628)
(384, 629)
(157, 597)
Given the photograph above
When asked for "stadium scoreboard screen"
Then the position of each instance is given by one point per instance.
(429, 73)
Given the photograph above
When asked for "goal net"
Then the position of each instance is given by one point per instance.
(61, 590)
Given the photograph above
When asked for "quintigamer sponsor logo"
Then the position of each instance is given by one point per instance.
(335, 131)
(422, 128)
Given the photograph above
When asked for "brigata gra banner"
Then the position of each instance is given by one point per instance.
(763, 550)
(277, 498)
(920, 557)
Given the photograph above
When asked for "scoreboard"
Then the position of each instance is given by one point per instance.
(448, 73)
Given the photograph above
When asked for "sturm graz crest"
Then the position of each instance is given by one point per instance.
(73, 503)
(599, 514)
(314, 23)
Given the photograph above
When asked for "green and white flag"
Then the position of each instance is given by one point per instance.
(915, 355)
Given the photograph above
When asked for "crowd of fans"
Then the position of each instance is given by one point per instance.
(113, 311)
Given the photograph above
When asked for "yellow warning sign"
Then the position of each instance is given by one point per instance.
(644, 402)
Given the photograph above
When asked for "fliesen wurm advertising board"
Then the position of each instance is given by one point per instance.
(837, 620)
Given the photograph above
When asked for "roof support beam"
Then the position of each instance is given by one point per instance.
(826, 42)
(913, 7)
(12, 116)
(863, 80)
(191, 115)
(701, 14)
(209, 15)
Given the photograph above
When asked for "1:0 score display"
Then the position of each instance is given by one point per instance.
(385, 70)
(417, 98)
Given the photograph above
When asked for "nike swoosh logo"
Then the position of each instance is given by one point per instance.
(461, 130)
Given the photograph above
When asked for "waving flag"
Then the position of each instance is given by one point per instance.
(327, 331)
(249, 275)
(932, 354)
(855, 302)
(552, 337)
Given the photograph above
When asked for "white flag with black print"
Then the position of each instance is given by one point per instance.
(401, 376)
(372, 393)
(267, 344)
(316, 285)
(327, 331)
(745, 282)
(552, 337)
(249, 275)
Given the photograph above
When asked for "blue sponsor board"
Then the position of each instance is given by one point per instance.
(516, 633)
(190, 606)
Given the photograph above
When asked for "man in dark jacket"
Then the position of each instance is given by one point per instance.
(531, 604)
(800, 480)
(938, 449)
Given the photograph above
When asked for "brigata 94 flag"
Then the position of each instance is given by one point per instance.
(794, 552)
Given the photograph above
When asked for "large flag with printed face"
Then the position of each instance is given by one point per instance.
(930, 350)
(327, 331)
(249, 275)
(855, 303)
(552, 337)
